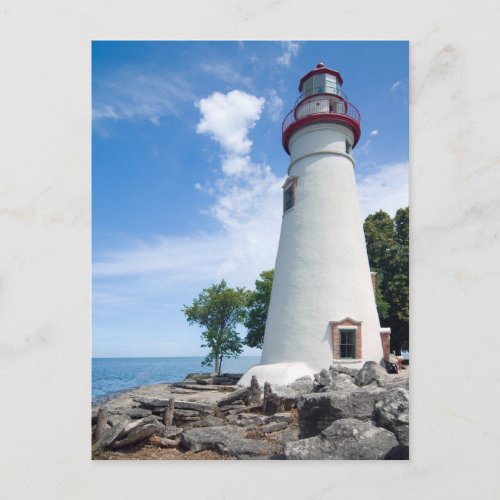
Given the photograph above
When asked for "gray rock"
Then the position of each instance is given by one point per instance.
(114, 420)
(198, 375)
(209, 421)
(247, 448)
(188, 388)
(371, 372)
(403, 435)
(158, 410)
(323, 378)
(251, 419)
(190, 405)
(109, 436)
(337, 368)
(205, 381)
(137, 412)
(395, 382)
(139, 434)
(157, 403)
(274, 427)
(206, 438)
(130, 426)
(95, 411)
(287, 435)
(180, 414)
(151, 402)
(232, 397)
(232, 419)
(303, 385)
(341, 382)
(271, 402)
(284, 391)
(281, 417)
(171, 431)
(222, 380)
(254, 395)
(183, 416)
(235, 409)
(286, 395)
(391, 409)
(345, 439)
(317, 411)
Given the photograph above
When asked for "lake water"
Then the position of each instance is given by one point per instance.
(111, 375)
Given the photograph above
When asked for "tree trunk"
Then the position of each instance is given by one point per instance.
(168, 414)
(217, 364)
(233, 396)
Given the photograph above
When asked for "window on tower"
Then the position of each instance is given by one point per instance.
(288, 198)
(289, 190)
(348, 147)
(346, 339)
(347, 343)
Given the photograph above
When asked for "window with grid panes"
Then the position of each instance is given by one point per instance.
(347, 343)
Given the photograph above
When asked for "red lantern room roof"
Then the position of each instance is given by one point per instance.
(320, 68)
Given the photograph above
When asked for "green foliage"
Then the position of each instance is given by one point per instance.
(257, 310)
(387, 243)
(218, 309)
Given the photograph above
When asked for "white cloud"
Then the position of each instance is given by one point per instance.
(274, 105)
(386, 188)
(246, 206)
(236, 165)
(133, 94)
(373, 133)
(228, 118)
(291, 49)
(395, 85)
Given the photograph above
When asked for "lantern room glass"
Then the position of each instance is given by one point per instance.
(320, 84)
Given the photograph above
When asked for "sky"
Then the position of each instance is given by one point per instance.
(187, 169)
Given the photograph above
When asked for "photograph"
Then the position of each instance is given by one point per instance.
(250, 250)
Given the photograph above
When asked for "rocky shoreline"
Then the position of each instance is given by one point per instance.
(341, 414)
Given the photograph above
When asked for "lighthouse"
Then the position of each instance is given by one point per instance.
(322, 309)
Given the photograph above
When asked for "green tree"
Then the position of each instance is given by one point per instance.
(258, 307)
(218, 309)
(387, 243)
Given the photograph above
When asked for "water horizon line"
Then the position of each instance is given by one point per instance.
(161, 357)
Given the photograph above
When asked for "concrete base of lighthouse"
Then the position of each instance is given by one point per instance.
(286, 373)
(277, 373)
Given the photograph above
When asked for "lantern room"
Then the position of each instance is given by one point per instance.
(321, 80)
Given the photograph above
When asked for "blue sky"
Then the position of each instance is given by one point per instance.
(187, 169)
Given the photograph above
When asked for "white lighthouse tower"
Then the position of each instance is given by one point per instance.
(322, 308)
